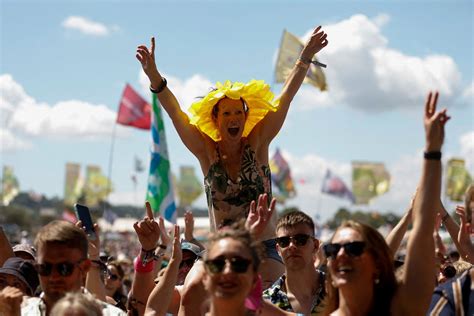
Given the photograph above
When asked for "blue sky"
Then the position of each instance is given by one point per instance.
(63, 67)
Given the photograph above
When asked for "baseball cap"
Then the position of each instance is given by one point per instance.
(24, 270)
(191, 247)
(25, 248)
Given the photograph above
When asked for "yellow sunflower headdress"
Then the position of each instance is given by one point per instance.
(255, 93)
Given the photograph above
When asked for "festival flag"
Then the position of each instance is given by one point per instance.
(334, 185)
(369, 180)
(458, 179)
(97, 186)
(133, 109)
(73, 184)
(290, 49)
(188, 186)
(281, 178)
(160, 190)
(10, 186)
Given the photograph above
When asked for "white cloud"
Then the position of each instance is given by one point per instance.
(363, 72)
(87, 26)
(22, 114)
(186, 91)
(468, 93)
(8, 142)
(467, 149)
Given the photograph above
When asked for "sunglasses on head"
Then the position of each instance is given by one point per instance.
(353, 249)
(237, 264)
(298, 240)
(64, 268)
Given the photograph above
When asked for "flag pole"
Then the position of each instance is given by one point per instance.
(111, 159)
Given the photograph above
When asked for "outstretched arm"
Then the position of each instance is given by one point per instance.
(395, 237)
(189, 134)
(273, 121)
(418, 281)
(162, 294)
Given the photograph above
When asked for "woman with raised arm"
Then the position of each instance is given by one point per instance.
(229, 133)
(359, 258)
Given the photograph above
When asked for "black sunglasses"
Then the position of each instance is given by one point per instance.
(353, 249)
(112, 276)
(298, 240)
(237, 264)
(64, 268)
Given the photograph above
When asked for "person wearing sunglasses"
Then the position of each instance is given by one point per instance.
(190, 253)
(231, 264)
(297, 247)
(360, 263)
(62, 264)
(113, 285)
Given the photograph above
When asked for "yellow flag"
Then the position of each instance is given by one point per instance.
(290, 49)
(369, 180)
(457, 179)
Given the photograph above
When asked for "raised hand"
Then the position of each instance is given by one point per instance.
(94, 244)
(259, 215)
(464, 235)
(316, 42)
(165, 237)
(188, 225)
(434, 123)
(147, 230)
(176, 253)
(147, 58)
(10, 301)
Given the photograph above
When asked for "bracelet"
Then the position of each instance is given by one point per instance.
(161, 87)
(143, 267)
(302, 64)
(432, 155)
(445, 217)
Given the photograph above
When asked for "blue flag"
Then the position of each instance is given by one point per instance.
(160, 189)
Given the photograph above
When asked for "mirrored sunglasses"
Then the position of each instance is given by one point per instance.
(237, 264)
(353, 249)
(63, 268)
(298, 240)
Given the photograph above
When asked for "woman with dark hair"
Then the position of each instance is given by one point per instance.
(360, 264)
(113, 284)
(229, 132)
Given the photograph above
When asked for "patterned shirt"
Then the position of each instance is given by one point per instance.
(35, 306)
(278, 296)
(228, 200)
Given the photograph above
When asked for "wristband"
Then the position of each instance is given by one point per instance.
(309, 61)
(142, 267)
(161, 87)
(432, 155)
(302, 64)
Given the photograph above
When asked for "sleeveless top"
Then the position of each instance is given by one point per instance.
(229, 201)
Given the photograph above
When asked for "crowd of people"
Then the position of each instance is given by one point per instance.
(253, 262)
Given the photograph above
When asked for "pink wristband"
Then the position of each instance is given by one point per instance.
(140, 268)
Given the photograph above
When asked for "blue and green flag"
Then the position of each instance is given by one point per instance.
(160, 189)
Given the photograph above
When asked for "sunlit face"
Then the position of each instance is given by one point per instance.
(229, 285)
(55, 285)
(230, 119)
(112, 280)
(11, 280)
(297, 257)
(349, 270)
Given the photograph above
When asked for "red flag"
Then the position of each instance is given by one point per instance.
(134, 110)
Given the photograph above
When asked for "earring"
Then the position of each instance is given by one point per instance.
(377, 280)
